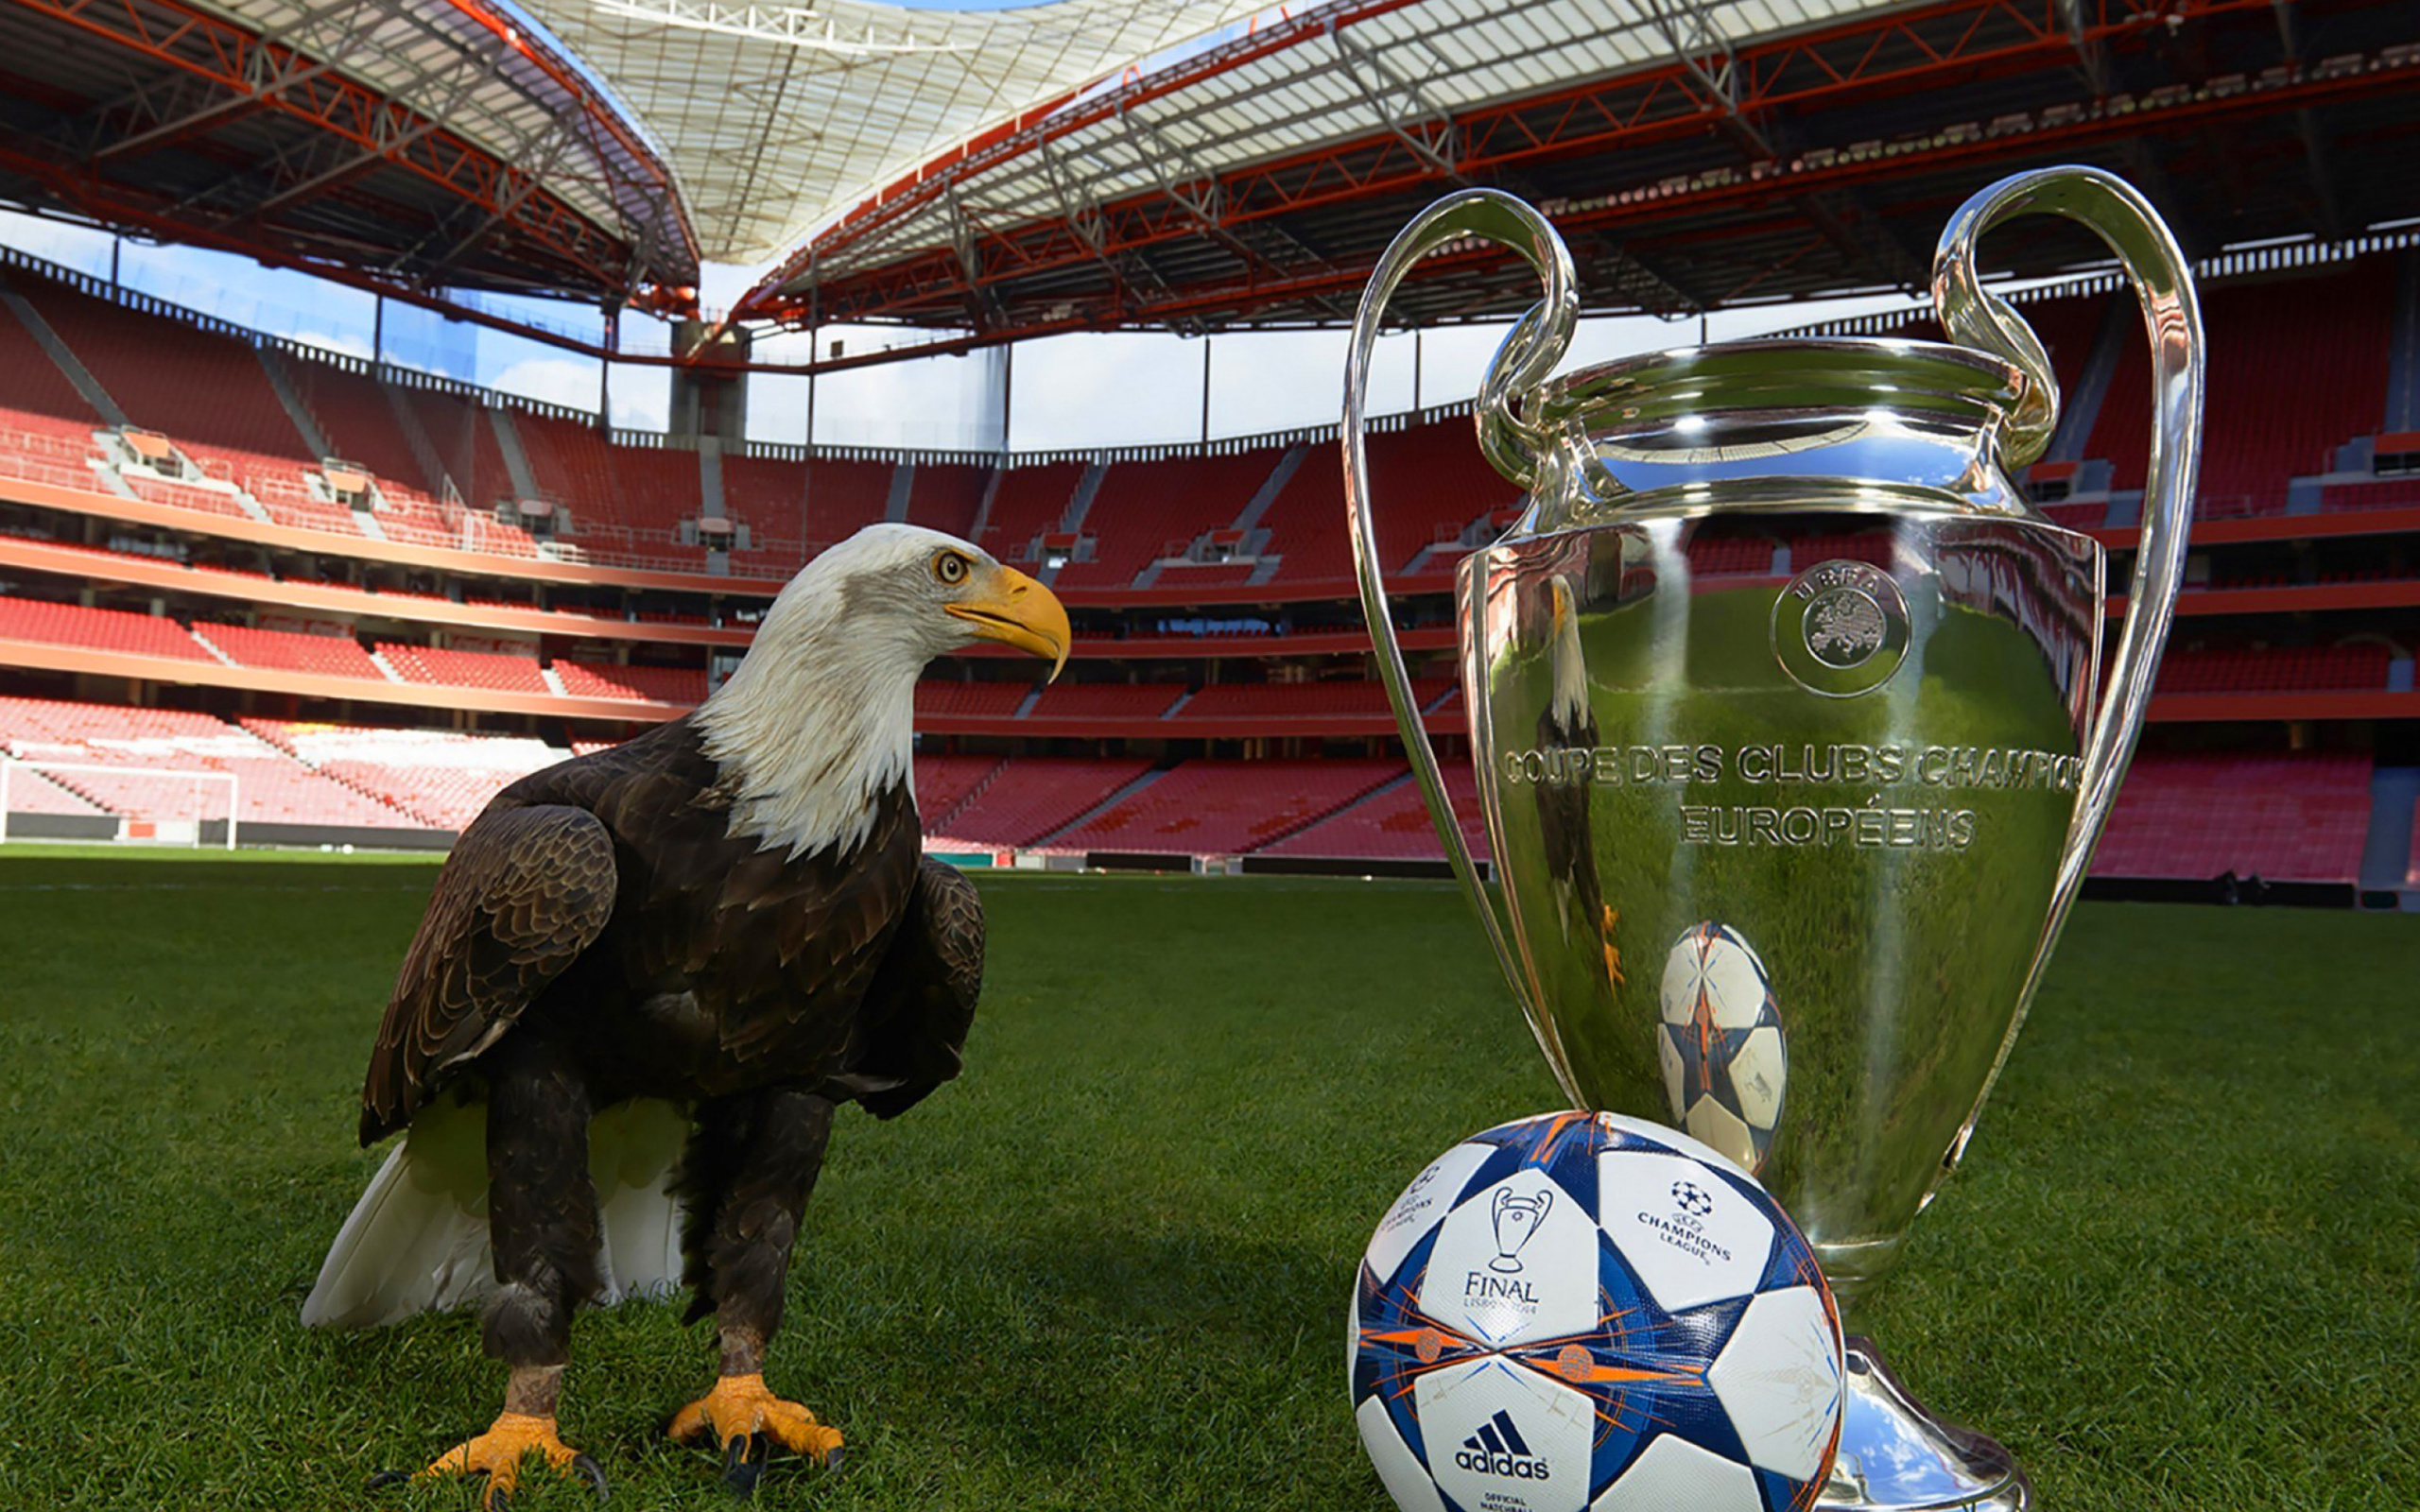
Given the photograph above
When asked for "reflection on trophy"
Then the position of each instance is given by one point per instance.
(1568, 724)
(1853, 809)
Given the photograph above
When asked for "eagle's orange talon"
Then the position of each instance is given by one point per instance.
(741, 1406)
(498, 1453)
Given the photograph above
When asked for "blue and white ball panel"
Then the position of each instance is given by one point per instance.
(1638, 1132)
(1759, 1073)
(1407, 1479)
(1514, 1263)
(1534, 1255)
(1692, 1237)
(1715, 964)
(1505, 1438)
(1423, 1203)
(1780, 1380)
(1674, 1475)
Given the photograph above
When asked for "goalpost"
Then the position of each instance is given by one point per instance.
(165, 822)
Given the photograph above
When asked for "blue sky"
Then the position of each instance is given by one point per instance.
(1112, 389)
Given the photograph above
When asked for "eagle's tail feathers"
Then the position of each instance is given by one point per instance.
(418, 1239)
(633, 1155)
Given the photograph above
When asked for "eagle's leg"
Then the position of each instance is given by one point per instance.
(751, 1166)
(542, 1225)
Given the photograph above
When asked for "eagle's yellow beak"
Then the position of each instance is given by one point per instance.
(1014, 610)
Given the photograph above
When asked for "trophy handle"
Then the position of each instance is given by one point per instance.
(1511, 437)
(2163, 284)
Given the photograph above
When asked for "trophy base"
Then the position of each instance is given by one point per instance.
(1894, 1456)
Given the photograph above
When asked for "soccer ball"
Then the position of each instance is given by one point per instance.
(1587, 1312)
(1725, 1058)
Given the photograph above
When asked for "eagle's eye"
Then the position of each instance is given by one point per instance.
(950, 568)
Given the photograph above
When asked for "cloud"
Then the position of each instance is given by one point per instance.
(77, 247)
(346, 343)
(551, 379)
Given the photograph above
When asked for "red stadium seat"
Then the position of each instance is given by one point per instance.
(2282, 818)
(463, 669)
(102, 629)
(606, 679)
(1029, 797)
(1225, 807)
(1393, 824)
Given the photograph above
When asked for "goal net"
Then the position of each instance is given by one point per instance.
(133, 805)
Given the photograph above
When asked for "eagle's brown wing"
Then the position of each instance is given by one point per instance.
(526, 890)
(913, 1023)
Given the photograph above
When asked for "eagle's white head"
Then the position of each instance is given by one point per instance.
(1568, 662)
(817, 722)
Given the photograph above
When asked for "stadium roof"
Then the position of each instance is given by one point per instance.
(1697, 154)
(776, 116)
(434, 142)
(1192, 165)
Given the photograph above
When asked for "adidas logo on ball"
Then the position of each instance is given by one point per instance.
(1497, 1448)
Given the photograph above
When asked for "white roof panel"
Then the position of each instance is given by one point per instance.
(776, 117)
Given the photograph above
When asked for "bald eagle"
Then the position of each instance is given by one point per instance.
(646, 977)
(1567, 842)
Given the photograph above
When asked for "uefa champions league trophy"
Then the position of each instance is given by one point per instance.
(1782, 864)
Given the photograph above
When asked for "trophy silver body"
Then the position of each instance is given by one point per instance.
(1880, 766)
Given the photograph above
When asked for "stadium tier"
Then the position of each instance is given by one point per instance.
(606, 679)
(104, 629)
(2284, 819)
(1391, 823)
(205, 530)
(2297, 387)
(149, 750)
(2298, 818)
(1030, 798)
(1223, 807)
(335, 655)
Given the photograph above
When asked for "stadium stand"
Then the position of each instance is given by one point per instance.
(2288, 392)
(945, 496)
(1028, 503)
(1429, 482)
(1731, 556)
(440, 778)
(1146, 512)
(841, 497)
(465, 669)
(1215, 807)
(944, 782)
(606, 679)
(1105, 701)
(2288, 380)
(207, 390)
(105, 629)
(1299, 701)
(1031, 797)
(976, 699)
(2381, 493)
(2282, 669)
(1393, 824)
(334, 656)
(2281, 817)
(271, 787)
(462, 439)
(46, 426)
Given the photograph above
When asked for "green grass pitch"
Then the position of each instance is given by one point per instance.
(1108, 1269)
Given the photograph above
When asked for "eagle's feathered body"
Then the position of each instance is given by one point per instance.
(647, 975)
(608, 897)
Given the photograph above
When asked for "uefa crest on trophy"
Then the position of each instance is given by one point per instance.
(1782, 864)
